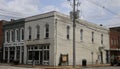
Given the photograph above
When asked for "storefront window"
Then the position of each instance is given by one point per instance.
(30, 55)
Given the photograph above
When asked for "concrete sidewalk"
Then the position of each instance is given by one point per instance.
(57, 67)
(64, 67)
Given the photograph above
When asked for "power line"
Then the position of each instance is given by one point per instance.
(9, 12)
(8, 16)
(103, 7)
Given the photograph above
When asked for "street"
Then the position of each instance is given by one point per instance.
(12, 67)
(111, 67)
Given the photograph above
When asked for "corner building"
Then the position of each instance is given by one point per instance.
(49, 35)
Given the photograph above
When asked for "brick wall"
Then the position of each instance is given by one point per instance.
(1, 33)
(114, 39)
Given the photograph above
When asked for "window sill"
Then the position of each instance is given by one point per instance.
(46, 38)
(81, 41)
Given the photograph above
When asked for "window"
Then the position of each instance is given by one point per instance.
(81, 34)
(38, 32)
(101, 38)
(47, 30)
(8, 36)
(17, 35)
(22, 34)
(12, 36)
(30, 55)
(112, 41)
(68, 32)
(46, 52)
(30, 29)
(92, 37)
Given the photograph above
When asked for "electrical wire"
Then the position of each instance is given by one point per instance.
(8, 16)
(103, 7)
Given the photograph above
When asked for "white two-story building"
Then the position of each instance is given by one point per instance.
(49, 37)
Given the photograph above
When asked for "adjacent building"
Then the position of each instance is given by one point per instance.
(13, 46)
(1, 39)
(115, 41)
(47, 39)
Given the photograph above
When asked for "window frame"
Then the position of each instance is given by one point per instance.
(68, 32)
(46, 31)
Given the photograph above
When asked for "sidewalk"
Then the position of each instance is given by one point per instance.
(56, 67)
(63, 67)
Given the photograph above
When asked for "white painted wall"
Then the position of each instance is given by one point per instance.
(41, 20)
(83, 48)
(59, 44)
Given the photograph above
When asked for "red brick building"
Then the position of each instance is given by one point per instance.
(1, 22)
(115, 41)
(1, 39)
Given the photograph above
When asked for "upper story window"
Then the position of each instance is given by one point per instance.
(12, 36)
(112, 41)
(38, 32)
(17, 35)
(8, 36)
(81, 34)
(68, 32)
(92, 37)
(47, 31)
(22, 32)
(30, 32)
(101, 38)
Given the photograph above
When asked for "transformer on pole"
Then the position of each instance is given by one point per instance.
(74, 14)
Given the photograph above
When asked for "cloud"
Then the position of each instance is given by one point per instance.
(19, 8)
(50, 8)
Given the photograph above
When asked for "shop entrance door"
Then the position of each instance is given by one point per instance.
(41, 57)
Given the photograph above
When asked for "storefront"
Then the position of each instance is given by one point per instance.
(13, 53)
(38, 53)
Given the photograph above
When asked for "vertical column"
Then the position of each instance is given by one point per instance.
(8, 55)
(25, 54)
(15, 54)
(4, 53)
(20, 54)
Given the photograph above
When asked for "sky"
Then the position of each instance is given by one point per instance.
(106, 12)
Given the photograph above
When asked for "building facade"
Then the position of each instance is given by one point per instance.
(115, 41)
(13, 46)
(1, 39)
(47, 39)
(49, 35)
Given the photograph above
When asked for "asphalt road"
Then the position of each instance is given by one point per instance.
(12, 67)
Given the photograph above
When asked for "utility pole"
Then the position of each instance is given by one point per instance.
(74, 14)
(74, 26)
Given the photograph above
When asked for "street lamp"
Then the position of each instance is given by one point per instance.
(74, 14)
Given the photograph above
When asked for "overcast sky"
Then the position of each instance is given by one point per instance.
(106, 12)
